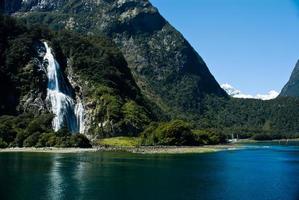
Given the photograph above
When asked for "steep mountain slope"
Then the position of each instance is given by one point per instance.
(163, 63)
(247, 117)
(93, 70)
(291, 89)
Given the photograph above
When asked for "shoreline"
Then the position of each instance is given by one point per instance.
(144, 149)
(136, 150)
(250, 141)
(46, 150)
(184, 149)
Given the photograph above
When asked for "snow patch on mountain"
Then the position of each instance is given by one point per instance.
(233, 92)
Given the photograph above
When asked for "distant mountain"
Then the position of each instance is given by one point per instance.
(233, 92)
(291, 89)
(165, 66)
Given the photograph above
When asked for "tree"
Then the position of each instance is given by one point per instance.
(176, 132)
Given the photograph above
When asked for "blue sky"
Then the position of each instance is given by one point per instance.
(250, 44)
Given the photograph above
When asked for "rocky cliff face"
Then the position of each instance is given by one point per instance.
(12, 6)
(292, 87)
(163, 63)
(23, 79)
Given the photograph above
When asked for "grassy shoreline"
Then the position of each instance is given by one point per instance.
(184, 149)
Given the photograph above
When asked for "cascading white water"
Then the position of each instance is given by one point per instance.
(79, 112)
(67, 112)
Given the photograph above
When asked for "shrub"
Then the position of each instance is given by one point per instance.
(176, 133)
(47, 140)
(3, 144)
(262, 137)
(7, 134)
(41, 123)
(63, 142)
(208, 137)
(79, 141)
(32, 140)
(135, 117)
(20, 138)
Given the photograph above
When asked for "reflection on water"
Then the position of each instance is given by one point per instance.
(56, 185)
(255, 172)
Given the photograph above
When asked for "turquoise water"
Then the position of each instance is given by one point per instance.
(256, 172)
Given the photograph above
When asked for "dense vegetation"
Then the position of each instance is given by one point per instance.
(179, 133)
(172, 133)
(222, 117)
(248, 117)
(27, 130)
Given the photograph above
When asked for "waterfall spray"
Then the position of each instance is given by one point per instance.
(66, 111)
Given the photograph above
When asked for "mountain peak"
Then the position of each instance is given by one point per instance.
(235, 93)
(292, 87)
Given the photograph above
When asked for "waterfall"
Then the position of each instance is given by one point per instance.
(65, 109)
(79, 112)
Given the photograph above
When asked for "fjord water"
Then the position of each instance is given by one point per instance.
(255, 172)
(66, 111)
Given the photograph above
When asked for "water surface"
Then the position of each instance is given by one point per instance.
(257, 172)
